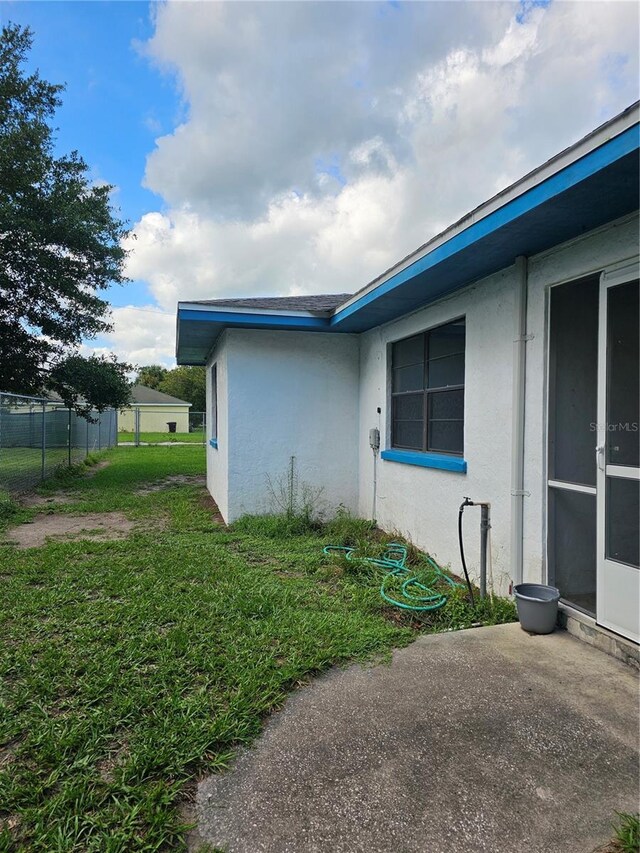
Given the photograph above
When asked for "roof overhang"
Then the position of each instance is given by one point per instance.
(594, 182)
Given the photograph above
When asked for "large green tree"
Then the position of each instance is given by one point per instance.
(151, 375)
(60, 240)
(91, 384)
(186, 383)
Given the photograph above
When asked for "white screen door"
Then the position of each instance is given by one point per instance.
(617, 455)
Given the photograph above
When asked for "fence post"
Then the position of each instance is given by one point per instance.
(44, 439)
(69, 440)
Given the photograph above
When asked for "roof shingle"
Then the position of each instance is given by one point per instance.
(314, 303)
(142, 394)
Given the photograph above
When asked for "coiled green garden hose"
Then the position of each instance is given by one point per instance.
(416, 595)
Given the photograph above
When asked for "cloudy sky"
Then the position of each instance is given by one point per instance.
(298, 147)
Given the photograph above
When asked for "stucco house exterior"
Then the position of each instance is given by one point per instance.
(154, 410)
(499, 361)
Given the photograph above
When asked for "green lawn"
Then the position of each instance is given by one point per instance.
(156, 437)
(130, 668)
(21, 467)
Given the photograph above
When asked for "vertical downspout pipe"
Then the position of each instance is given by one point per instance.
(484, 542)
(518, 415)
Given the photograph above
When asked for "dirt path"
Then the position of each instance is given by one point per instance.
(100, 526)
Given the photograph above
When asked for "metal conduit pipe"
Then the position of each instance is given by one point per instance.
(485, 526)
(518, 414)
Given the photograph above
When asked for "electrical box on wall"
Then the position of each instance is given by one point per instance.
(374, 438)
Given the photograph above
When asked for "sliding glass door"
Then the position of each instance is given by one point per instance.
(618, 457)
(593, 448)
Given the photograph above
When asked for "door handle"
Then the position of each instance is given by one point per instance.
(600, 456)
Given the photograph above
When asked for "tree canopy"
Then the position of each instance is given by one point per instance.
(151, 375)
(91, 384)
(186, 383)
(60, 241)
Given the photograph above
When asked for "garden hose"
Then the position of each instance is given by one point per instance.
(415, 595)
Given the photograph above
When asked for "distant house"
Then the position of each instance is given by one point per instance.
(153, 411)
(498, 361)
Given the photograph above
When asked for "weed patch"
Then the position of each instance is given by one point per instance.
(626, 833)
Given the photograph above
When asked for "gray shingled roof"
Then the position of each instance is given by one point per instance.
(317, 304)
(142, 394)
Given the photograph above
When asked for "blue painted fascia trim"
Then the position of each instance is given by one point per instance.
(257, 321)
(214, 443)
(426, 460)
(568, 177)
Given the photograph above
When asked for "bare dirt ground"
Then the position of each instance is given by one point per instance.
(91, 472)
(99, 526)
(46, 501)
(173, 480)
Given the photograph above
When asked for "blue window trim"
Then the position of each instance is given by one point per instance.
(426, 460)
(214, 443)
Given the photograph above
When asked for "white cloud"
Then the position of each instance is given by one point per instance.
(141, 335)
(322, 143)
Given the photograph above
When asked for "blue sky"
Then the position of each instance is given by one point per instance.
(115, 102)
(298, 147)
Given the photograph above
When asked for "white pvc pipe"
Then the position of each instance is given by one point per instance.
(518, 409)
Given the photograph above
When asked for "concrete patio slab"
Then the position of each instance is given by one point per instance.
(481, 740)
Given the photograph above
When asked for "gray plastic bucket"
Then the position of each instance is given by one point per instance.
(537, 607)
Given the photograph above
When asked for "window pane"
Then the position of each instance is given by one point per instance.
(447, 339)
(214, 401)
(446, 371)
(408, 434)
(409, 407)
(572, 546)
(623, 393)
(446, 405)
(573, 381)
(623, 512)
(409, 351)
(445, 436)
(408, 378)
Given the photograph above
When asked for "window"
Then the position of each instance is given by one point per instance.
(214, 405)
(427, 390)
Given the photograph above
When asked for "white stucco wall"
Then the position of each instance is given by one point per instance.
(422, 503)
(289, 394)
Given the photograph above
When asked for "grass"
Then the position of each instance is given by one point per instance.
(130, 668)
(156, 437)
(21, 467)
(627, 833)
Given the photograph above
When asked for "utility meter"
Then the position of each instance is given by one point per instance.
(374, 438)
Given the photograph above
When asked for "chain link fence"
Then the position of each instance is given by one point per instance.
(39, 435)
(158, 424)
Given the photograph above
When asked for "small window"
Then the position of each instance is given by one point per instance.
(427, 390)
(214, 402)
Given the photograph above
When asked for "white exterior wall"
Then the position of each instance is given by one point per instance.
(288, 394)
(218, 458)
(422, 503)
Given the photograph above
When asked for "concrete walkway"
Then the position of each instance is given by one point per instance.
(482, 740)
